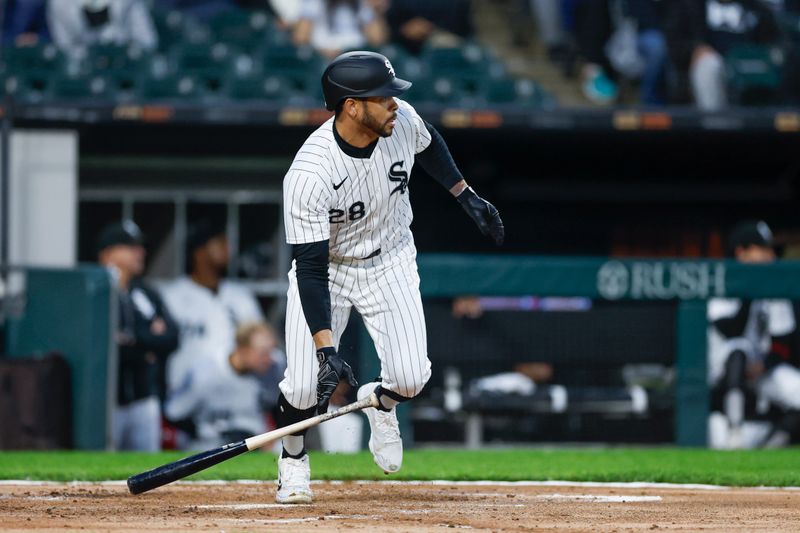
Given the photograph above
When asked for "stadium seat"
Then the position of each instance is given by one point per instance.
(242, 28)
(438, 89)
(170, 87)
(194, 58)
(24, 59)
(124, 85)
(467, 58)
(301, 65)
(208, 63)
(256, 87)
(174, 27)
(29, 87)
(112, 58)
(518, 92)
(754, 73)
(80, 87)
(169, 26)
(468, 66)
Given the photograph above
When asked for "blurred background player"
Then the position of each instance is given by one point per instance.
(207, 307)
(146, 335)
(751, 344)
(226, 400)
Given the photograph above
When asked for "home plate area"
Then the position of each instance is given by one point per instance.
(238, 507)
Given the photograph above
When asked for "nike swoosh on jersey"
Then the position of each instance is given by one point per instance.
(336, 187)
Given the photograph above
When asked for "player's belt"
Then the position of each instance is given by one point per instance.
(376, 253)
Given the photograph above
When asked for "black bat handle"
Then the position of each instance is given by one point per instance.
(185, 467)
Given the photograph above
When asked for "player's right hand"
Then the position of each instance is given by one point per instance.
(332, 369)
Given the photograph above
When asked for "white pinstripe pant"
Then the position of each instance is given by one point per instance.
(386, 294)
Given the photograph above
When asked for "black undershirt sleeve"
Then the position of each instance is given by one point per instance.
(311, 268)
(734, 326)
(437, 161)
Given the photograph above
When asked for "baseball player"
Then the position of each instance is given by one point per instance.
(146, 335)
(347, 216)
(207, 307)
(226, 400)
(750, 344)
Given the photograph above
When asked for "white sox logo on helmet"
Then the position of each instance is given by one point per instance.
(390, 67)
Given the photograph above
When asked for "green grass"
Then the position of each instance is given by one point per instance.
(745, 468)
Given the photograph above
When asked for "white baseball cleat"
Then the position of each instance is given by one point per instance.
(294, 480)
(384, 441)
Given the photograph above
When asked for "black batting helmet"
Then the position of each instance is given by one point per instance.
(358, 75)
(750, 233)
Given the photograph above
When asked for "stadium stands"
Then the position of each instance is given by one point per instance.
(242, 56)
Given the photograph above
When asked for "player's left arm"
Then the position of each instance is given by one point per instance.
(437, 161)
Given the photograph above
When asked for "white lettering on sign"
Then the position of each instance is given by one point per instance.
(660, 280)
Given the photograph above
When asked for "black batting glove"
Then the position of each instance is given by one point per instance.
(483, 213)
(332, 369)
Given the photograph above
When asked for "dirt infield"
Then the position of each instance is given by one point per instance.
(395, 507)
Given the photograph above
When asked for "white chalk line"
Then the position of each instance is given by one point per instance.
(305, 519)
(442, 482)
(598, 498)
(249, 506)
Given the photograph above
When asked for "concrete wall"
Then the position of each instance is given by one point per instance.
(43, 198)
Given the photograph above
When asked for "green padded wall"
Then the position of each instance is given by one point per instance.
(69, 311)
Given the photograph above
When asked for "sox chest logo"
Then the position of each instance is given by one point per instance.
(399, 176)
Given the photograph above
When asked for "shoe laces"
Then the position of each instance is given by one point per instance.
(388, 426)
(294, 471)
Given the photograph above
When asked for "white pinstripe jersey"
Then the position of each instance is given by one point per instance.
(360, 204)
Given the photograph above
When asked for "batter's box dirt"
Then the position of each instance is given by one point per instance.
(383, 507)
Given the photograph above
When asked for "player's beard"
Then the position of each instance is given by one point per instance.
(372, 124)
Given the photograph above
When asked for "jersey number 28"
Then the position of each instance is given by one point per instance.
(356, 211)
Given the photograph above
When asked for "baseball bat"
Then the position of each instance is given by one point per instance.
(195, 463)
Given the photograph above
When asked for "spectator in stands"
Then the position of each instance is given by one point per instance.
(651, 45)
(592, 29)
(413, 23)
(622, 38)
(225, 399)
(787, 10)
(207, 307)
(146, 334)
(335, 26)
(752, 350)
(78, 24)
(551, 29)
(701, 32)
(25, 23)
(287, 11)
